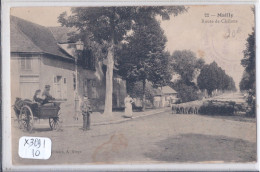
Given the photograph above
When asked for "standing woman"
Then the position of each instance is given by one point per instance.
(128, 106)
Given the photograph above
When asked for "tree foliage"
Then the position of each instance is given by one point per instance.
(248, 82)
(143, 56)
(186, 93)
(248, 62)
(213, 77)
(185, 63)
(101, 23)
(244, 84)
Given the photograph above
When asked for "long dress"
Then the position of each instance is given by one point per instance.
(128, 107)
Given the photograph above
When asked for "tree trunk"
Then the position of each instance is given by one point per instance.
(109, 80)
(144, 83)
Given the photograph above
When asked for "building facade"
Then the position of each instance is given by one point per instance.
(38, 59)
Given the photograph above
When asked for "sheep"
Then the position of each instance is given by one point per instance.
(187, 108)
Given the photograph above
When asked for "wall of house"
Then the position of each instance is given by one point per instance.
(157, 100)
(24, 80)
(171, 98)
(59, 75)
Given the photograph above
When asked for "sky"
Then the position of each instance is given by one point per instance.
(221, 39)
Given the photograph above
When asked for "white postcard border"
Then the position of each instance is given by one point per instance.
(6, 102)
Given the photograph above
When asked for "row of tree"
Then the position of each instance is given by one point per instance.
(192, 72)
(195, 75)
(212, 77)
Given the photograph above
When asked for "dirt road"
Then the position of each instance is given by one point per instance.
(163, 137)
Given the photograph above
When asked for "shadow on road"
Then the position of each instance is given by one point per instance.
(199, 148)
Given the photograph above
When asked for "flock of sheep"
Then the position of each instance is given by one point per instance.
(187, 108)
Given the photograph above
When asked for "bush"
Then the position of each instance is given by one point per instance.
(251, 111)
(217, 108)
(187, 93)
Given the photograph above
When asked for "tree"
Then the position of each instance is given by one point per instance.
(248, 82)
(185, 63)
(143, 57)
(109, 26)
(248, 62)
(244, 84)
(105, 25)
(214, 77)
(186, 92)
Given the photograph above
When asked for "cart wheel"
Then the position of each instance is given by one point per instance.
(26, 118)
(54, 123)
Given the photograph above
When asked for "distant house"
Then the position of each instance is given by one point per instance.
(164, 97)
(43, 56)
(169, 94)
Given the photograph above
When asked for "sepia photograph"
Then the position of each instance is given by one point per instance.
(133, 85)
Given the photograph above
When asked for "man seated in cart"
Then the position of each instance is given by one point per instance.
(46, 94)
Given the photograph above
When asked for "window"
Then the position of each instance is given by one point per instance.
(26, 63)
(60, 87)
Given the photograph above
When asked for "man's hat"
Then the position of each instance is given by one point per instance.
(85, 95)
(47, 86)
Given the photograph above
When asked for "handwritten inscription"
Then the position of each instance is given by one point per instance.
(232, 33)
(35, 147)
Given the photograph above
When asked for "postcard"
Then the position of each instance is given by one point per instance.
(145, 84)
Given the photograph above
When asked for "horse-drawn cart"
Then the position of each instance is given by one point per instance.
(27, 111)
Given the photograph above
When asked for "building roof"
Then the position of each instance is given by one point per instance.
(61, 34)
(28, 37)
(168, 90)
(157, 92)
